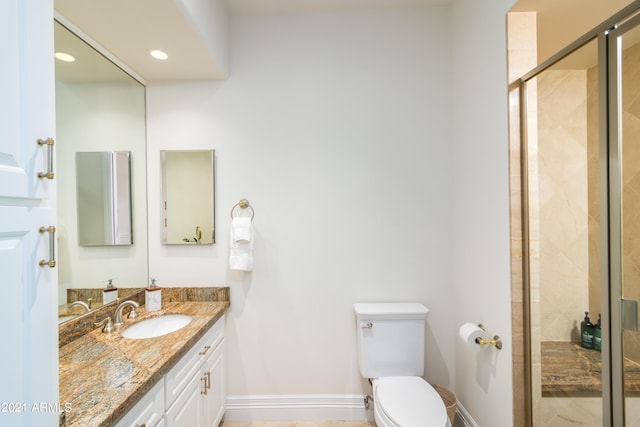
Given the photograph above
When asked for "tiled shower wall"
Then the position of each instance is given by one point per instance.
(563, 203)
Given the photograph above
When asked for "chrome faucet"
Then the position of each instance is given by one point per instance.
(117, 321)
(86, 307)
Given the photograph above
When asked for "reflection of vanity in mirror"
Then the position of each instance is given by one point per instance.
(100, 110)
(188, 197)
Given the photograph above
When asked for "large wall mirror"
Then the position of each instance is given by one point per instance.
(99, 109)
(188, 197)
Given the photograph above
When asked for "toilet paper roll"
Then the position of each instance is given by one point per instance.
(469, 332)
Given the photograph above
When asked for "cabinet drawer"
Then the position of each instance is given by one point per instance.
(149, 411)
(180, 375)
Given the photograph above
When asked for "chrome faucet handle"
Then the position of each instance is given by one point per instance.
(117, 322)
(108, 325)
(133, 313)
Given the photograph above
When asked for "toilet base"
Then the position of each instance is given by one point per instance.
(382, 420)
(407, 401)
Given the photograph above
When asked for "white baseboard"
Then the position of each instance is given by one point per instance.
(315, 407)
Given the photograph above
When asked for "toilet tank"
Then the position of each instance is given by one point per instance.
(390, 338)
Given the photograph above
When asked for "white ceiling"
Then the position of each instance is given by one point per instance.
(129, 29)
(262, 7)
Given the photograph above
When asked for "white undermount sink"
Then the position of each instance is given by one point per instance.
(156, 326)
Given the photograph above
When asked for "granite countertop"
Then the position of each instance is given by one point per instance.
(102, 376)
(569, 369)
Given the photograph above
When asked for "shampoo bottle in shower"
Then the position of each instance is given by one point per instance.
(597, 336)
(586, 332)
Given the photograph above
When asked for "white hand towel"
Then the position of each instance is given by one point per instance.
(241, 229)
(241, 250)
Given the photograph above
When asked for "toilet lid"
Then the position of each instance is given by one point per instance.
(410, 402)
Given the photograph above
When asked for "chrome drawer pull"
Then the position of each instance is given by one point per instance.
(204, 390)
(49, 173)
(52, 246)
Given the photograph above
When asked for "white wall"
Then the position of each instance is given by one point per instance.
(373, 147)
(481, 205)
(337, 128)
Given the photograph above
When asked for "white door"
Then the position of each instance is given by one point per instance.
(27, 97)
(29, 360)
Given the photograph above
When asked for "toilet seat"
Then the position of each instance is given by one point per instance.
(408, 402)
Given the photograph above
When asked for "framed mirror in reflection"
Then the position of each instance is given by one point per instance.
(99, 109)
(103, 195)
(188, 207)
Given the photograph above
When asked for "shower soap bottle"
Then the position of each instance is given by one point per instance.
(110, 293)
(153, 297)
(597, 336)
(586, 332)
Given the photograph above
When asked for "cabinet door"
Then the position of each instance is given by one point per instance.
(213, 405)
(148, 411)
(186, 411)
(191, 363)
(27, 102)
(29, 363)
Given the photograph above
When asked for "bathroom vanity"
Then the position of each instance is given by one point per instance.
(172, 380)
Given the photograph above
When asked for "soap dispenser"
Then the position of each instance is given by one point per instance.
(153, 297)
(586, 332)
(597, 336)
(110, 293)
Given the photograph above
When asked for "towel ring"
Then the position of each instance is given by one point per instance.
(243, 204)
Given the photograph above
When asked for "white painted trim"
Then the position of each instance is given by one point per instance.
(314, 407)
(464, 418)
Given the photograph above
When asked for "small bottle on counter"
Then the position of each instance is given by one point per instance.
(597, 336)
(586, 332)
(153, 297)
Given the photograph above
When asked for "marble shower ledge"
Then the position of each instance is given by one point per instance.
(102, 376)
(568, 369)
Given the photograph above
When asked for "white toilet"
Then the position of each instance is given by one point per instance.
(391, 354)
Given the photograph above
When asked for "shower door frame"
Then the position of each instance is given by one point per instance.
(613, 403)
(616, 233)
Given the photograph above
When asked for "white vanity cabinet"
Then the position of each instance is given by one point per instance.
(191, 394)
(148, 412)
(194, 388)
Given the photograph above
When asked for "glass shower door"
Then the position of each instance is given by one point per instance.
(624, 156)
(563, 151)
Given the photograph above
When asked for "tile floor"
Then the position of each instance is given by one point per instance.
(297, 424)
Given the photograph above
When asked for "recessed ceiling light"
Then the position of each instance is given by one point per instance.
(158, 54)
(62, 56)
